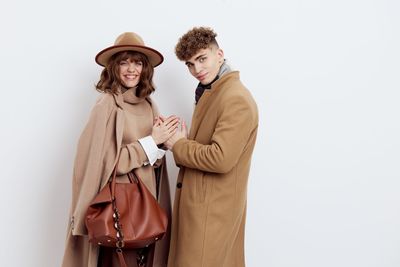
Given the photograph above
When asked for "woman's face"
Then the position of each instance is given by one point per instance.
(129, 72)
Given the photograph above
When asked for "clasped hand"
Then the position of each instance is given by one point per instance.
(165, 130)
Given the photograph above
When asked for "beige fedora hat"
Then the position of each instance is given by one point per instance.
(129, 41)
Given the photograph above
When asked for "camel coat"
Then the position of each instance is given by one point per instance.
(115, 124)
(210, 201)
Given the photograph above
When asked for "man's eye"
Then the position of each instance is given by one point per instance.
(202, 59)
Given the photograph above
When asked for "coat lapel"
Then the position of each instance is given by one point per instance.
(199, 112)
(204, 103)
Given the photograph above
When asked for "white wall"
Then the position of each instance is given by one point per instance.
(324, 186)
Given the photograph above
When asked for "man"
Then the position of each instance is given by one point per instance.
(214, 159)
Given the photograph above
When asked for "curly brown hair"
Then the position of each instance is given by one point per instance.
(109, 79)
(194, 40)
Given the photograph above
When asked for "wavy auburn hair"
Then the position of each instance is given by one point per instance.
(111, 83)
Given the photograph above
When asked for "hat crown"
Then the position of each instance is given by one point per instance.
(129, 41)
(129, 38)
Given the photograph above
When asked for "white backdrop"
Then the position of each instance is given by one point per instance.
(325, 179)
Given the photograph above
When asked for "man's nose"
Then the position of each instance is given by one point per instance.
(197, 68)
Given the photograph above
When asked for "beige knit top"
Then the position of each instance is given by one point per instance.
(138, 124)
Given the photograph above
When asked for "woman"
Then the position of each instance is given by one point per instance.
(124, 123)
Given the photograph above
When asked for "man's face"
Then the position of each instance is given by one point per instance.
(205, 64)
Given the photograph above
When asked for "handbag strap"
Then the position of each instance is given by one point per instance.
(131, 176)
(113, 180)
(117, 224)
(121, 258)
(141, 258)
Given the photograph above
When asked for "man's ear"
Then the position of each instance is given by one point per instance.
(220, 54)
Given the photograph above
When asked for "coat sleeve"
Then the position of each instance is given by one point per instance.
(236, 123)
(132, 157)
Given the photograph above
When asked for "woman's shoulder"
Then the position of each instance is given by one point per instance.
(105, 99)
(105, 102)
(153, 105)
(108, 100)
(150, 100)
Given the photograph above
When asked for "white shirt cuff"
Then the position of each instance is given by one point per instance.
(153, 153)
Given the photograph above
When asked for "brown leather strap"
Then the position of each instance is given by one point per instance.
(121, 258)
(150, 255)
(114, 178)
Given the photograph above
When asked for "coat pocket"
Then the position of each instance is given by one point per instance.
(202, 186)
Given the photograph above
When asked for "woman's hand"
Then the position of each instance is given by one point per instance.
(164, 128)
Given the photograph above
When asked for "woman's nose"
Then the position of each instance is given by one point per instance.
(132, 67)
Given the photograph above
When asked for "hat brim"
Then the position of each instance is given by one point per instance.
(155, 57)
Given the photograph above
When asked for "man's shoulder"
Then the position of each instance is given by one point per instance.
(236, 93)
(235, 88)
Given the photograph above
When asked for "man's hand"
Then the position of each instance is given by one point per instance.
(179, 134)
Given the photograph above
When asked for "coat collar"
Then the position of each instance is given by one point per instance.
(205, 100)
(233, 75)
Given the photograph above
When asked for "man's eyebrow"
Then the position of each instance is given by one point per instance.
(199, 56)
(202, 55)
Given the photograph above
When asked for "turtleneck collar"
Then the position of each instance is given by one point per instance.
(129, 95)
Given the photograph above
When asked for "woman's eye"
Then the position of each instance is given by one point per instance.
(139, 63)
(123, 63)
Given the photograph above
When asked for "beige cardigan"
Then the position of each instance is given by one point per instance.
(106, 134)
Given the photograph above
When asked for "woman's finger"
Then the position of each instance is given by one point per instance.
(172, 123)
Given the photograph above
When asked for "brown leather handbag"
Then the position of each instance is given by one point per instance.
(125, 215)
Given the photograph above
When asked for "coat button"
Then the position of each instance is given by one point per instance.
(179, 185)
